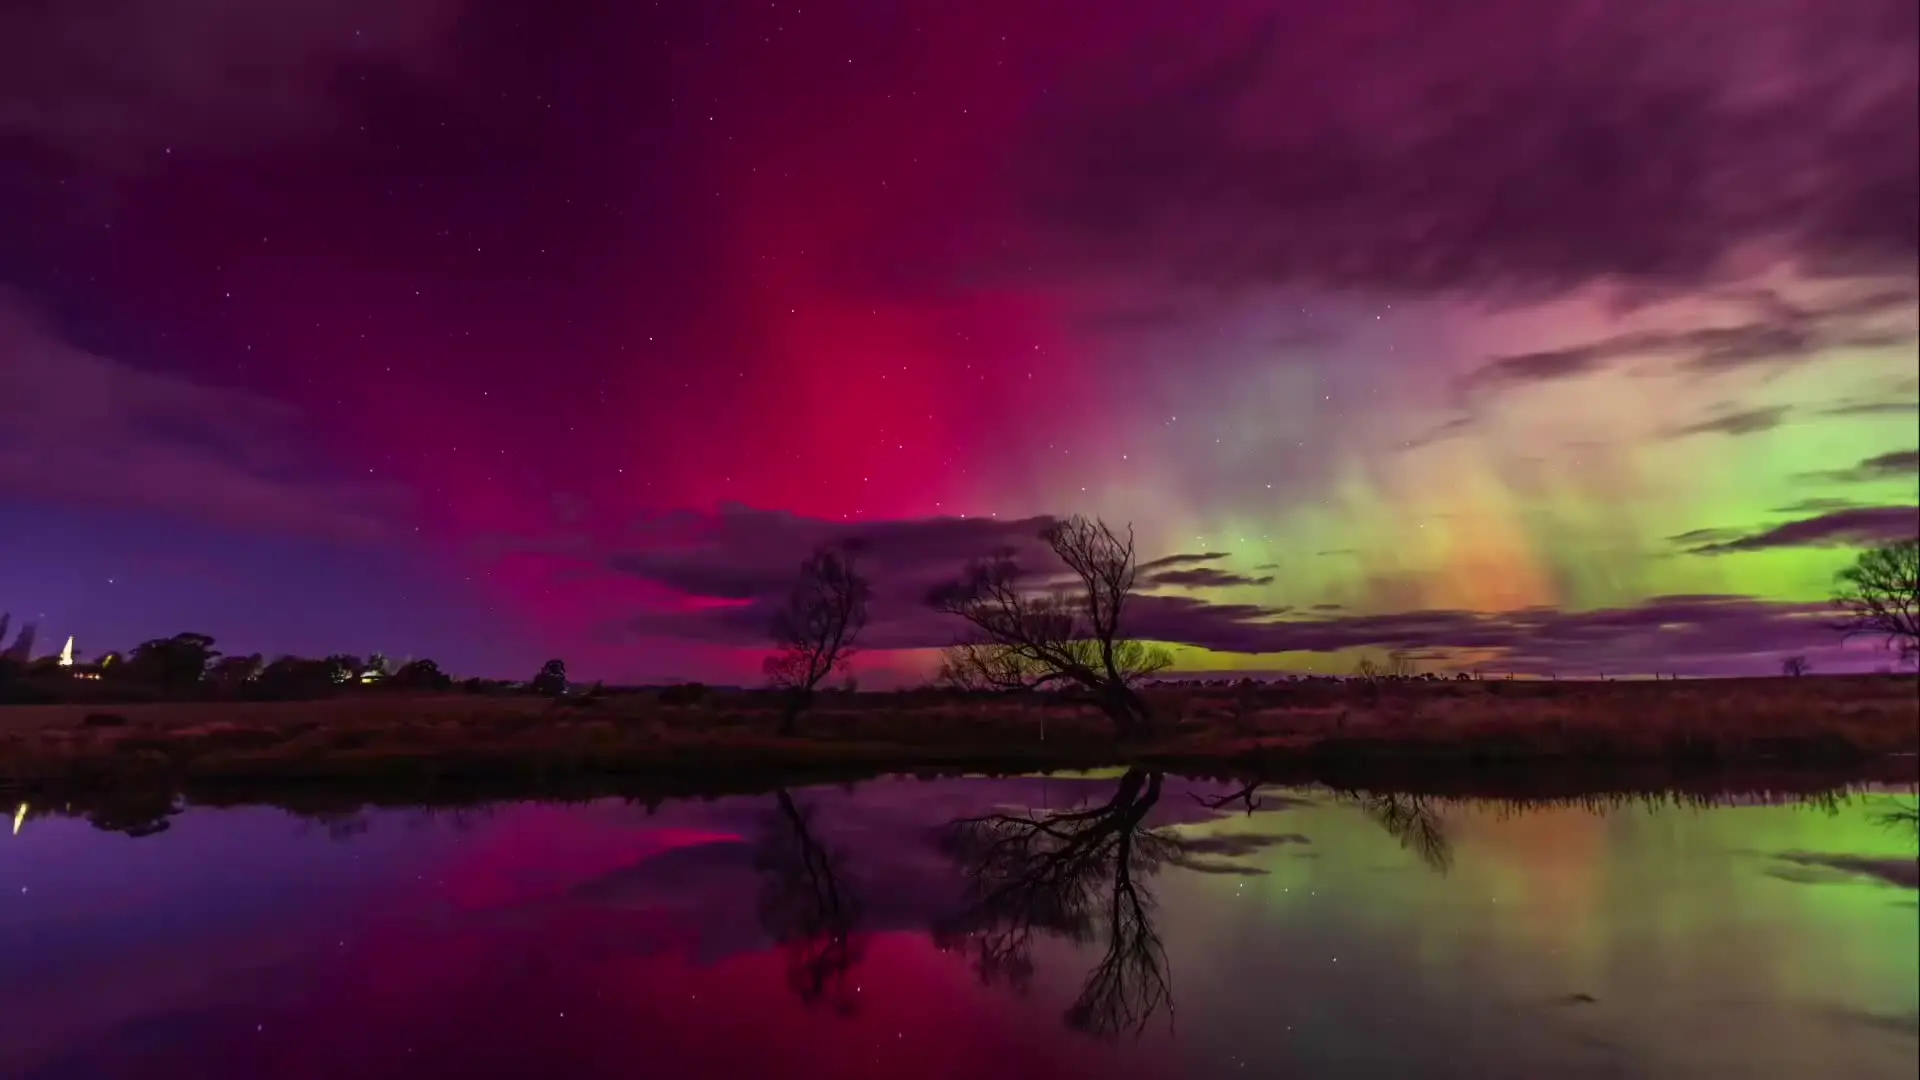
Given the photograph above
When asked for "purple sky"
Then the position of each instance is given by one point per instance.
(1574, 337)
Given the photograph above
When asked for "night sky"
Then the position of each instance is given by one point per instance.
(1574, 337)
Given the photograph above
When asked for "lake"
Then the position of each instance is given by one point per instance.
(1112, 925)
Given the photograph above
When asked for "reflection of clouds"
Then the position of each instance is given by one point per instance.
(1807, 868)
(598, 931)
(1907, 1024)
(706, 897)
(196, 975)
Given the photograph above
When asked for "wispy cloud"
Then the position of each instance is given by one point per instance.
(115, 83)
(1468, 165)
(1736, 422)
(1858, 526)
(1893, 465)
(78, 427)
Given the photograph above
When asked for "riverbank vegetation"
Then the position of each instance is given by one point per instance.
(1256, 727)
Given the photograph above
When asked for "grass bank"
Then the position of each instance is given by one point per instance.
(1356, 736)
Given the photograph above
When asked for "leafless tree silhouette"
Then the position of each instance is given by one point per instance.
(1879, 596)
(1023, 638)
(1075, 874)
(810, 904)
(1247, 795)
(1795, 666)
(1397, 665)
(817, 630)
(1414, 822)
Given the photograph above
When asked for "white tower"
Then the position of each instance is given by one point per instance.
(66, 652)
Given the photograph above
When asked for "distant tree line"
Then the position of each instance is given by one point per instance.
(1019, 634)
(188, 667)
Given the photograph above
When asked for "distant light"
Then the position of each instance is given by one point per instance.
(19, 818)
(66, 653)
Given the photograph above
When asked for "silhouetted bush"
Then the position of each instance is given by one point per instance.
(685, 694)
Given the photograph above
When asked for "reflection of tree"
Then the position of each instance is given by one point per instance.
(1076, 874)
(340, 825)
(1412, 820)
(136, 812)
(810, 904)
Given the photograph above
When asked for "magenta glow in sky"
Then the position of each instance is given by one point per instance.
(1558, 336)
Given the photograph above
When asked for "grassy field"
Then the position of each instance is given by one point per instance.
(1420, 732)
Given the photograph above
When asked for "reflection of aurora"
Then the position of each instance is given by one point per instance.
(1083, 874)
(1671, 937)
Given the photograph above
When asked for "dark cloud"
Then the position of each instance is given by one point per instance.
(1904, 872)
(1894, 397)
(1893, 465)
(1554, 365)
(1783, 329)
(1502, 146)
(1172, 562)
(1858, 527)
(1459, 425)
(747, 558)
(77, 427)
(1240, 845)
(884, 833)
(1693, 537)
(120, 84)
(1801, 508)
(1871, 408)
(1770, 328)
(1202, 577)
(1738, 422)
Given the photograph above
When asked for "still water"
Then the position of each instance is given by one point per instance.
(1135, 925)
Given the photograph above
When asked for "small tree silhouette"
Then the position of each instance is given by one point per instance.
(552, 680)
(1023, 639)
(420, 674)
(818, 628)
(1795, 666)
(1879, 596)
(174, 664)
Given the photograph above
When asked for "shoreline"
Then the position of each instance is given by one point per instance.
(1432, 736)
(144, 806)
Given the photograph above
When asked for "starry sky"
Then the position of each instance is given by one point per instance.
(1570, 337)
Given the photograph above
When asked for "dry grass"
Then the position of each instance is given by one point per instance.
(1327, 727)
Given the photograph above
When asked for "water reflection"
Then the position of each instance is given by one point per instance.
(809, 904)
(948, 928)
(1081, 874)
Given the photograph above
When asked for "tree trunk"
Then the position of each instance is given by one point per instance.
(1128, 711)
(797, 703)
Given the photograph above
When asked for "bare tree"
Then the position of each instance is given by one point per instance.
(817, 630)
(810, 904)
(1023, 638)
(1413, 821)
(1879, 596)
(1795, 666)
(1075, 874)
